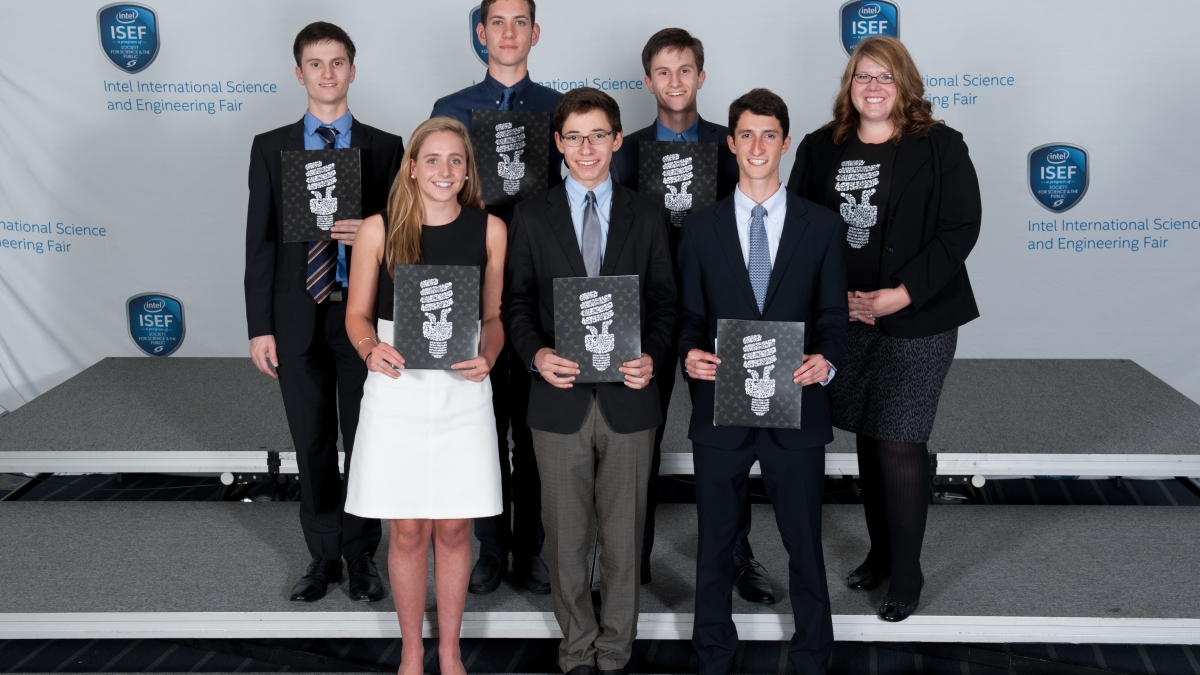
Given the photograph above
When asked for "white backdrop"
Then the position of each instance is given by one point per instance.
(169, 189)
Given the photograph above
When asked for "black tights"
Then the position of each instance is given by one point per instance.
(895, 494)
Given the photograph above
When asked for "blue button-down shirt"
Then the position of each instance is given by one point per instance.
(665, 133)
(486, 95)
(577, 198)
(312, 141)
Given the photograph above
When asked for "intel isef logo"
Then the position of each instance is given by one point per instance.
(1058, 175)
(864, 19)
(155, 323)
(128, 35)
(476, 46)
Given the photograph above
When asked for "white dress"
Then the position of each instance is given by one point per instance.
(425, 447)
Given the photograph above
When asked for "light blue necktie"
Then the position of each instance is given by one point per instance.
(760, 255)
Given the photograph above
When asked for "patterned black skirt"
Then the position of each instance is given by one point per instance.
(888, 388)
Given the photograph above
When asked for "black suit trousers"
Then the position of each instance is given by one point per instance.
(323, 387)
(795, 481)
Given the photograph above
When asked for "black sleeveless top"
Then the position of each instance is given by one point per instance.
(462, 241)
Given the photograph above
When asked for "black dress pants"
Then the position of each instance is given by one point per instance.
(518, 529)
(795, 481)
(321, 388)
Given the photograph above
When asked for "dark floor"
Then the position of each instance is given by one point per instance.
(539, 656)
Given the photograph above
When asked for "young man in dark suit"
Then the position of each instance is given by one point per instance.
(296, 313)
(762, 254)
(593, 441)
(508, 29)
(674, 63)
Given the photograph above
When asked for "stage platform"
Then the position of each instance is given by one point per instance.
(998, 418)
(994, 574)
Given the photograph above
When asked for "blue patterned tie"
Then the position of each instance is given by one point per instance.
(322, 255)
(506, 98)
(760, 255)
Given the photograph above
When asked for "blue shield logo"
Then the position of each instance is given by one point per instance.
(1058, 175)
(155, 323)
(868, 18)
(128, 35)
(476, 46)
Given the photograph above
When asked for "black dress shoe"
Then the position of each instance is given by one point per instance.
(864, 578)
(315, 582)
(485, 576)
(582, 670)
(750, 582)
(894, 611)
(534, 575)
(645, 573)
(365, 584)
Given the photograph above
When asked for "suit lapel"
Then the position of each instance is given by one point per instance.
(620, 222)
(911, 155)
(359, 136)
(708, 133)
(296, 136)
(794, 224)
(564, 228)
(725, 226)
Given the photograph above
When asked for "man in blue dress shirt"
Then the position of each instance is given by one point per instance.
(674, 63)
(508, 30)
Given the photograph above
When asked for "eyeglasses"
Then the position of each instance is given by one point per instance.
(598, 138)
(863, 78)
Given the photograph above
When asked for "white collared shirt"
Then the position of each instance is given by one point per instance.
(776, 206)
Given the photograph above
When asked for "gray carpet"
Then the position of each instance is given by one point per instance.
(243, 557)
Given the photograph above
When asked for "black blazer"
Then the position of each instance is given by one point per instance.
(625, 161)
(542, 247)
(277, 302)
(934, 209)
(808, 283)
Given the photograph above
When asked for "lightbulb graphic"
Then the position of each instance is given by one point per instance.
(757, 352)
(596, 308)
(324, 206)
(677, 171)
(437, 329)
(853, 175)
(512, 170)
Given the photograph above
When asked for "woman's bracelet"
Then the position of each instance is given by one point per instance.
(356, 344)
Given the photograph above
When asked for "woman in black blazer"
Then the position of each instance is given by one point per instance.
(907, 190)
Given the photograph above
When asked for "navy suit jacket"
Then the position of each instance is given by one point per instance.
(625, 161)
(808, 283)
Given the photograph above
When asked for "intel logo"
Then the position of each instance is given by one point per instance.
(869, 11)
(127, 16)
(1058, 156)
(155, 305)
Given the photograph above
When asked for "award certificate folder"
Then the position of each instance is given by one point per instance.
(682, 175)
(512, 151)
(754, 379)
(320, 187)
(436, 315)
(598, 324)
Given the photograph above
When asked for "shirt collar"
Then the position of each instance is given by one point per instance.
(342, 124)
(664, 133)
(577, 192)
(774, 204)
(497, 88)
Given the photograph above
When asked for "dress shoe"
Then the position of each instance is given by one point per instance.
(864, 577)
(315, 582)
(750, 582)
(485, 576)
(645, 573)
(582, 670)
(534, 575)
(365, 584)
(894, 611)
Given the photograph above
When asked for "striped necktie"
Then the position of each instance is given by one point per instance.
(760, 255)
(322, 255)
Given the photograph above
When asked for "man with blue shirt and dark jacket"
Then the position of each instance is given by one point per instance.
(674, 63)
(508, 30)
(296, 312)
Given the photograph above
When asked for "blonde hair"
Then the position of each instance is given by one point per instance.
(405, 209)
(911, 114)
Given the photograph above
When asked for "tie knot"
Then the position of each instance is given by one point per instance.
(590, 199)
(506, 98)
(758, 211)
(327, 134)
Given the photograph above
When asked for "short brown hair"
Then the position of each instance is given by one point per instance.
(487, 4)
(676, 40)
(321, 31)
(911, 113)
(762, 102)
(585, 100)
